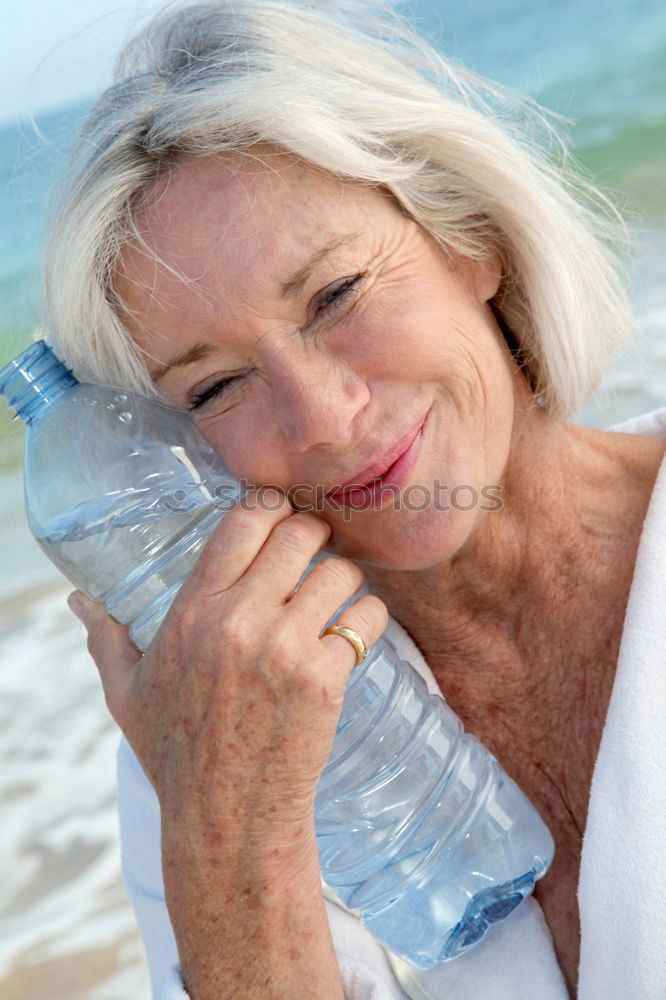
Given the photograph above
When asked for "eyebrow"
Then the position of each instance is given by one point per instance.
(188, 357)
(289, 290)
(293, 285)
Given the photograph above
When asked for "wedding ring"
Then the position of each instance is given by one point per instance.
(351, 636)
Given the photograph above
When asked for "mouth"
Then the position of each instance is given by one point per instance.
(389, 472)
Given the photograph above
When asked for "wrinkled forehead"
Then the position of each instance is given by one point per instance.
(256, 213)
(268, 198)
(217, 233)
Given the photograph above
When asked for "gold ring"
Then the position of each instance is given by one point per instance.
(351, 636)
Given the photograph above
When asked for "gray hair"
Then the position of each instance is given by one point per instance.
(354, 92)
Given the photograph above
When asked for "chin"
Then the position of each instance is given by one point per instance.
(424, 543)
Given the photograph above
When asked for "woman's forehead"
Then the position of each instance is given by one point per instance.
(258, 218)
(244, 231)
(269, 197)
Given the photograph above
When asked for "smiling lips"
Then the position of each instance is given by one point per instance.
(392, 469)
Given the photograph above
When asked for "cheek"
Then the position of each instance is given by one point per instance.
(394, 338)
(246, 440)
(432, 326)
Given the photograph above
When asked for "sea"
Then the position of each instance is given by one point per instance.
(66, 927)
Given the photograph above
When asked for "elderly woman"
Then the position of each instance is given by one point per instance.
(359, 269)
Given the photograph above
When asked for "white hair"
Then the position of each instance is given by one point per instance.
(351, 90)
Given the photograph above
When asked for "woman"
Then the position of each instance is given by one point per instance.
(336, 251)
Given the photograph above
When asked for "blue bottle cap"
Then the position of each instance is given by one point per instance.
(34, 380)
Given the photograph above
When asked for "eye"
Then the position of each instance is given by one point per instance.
(339, 292)
(200, 397)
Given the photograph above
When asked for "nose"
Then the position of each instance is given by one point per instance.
(317, 397)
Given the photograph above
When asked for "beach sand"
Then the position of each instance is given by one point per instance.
(67, 929)
(114, 972)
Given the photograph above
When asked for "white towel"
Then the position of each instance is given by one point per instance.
(622, 888)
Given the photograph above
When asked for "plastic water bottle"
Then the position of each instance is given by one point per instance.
(419, 829)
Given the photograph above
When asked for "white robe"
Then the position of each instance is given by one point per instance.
(622, 885)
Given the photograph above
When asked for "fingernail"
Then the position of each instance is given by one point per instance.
(76, 605)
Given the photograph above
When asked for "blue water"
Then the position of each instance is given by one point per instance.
(600, 64)
(31, 158)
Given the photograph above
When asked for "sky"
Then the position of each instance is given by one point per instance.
(56, 51)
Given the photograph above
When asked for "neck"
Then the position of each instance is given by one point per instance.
(520, 627)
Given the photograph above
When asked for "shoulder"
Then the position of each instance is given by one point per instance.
(651, 423)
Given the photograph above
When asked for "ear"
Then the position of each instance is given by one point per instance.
(483, 277)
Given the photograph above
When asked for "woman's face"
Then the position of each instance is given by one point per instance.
(320, 338)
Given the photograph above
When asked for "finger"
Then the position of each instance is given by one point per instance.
(284, 557)
(109, 643)
(233, 546)
(331, 583)
(367, 616)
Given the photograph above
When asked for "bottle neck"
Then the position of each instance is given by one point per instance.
(34, 380)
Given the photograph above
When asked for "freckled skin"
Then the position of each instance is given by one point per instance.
(517, 611)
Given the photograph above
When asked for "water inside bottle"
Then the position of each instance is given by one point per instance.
(132, 550)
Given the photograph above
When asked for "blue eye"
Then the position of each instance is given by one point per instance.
(338, 292)
(199, 399)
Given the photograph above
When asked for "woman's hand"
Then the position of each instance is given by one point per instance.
(233, 708)
(232, 712)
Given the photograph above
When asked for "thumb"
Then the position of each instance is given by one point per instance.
(109, 643)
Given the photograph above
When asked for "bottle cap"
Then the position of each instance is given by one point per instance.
(34, 380)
